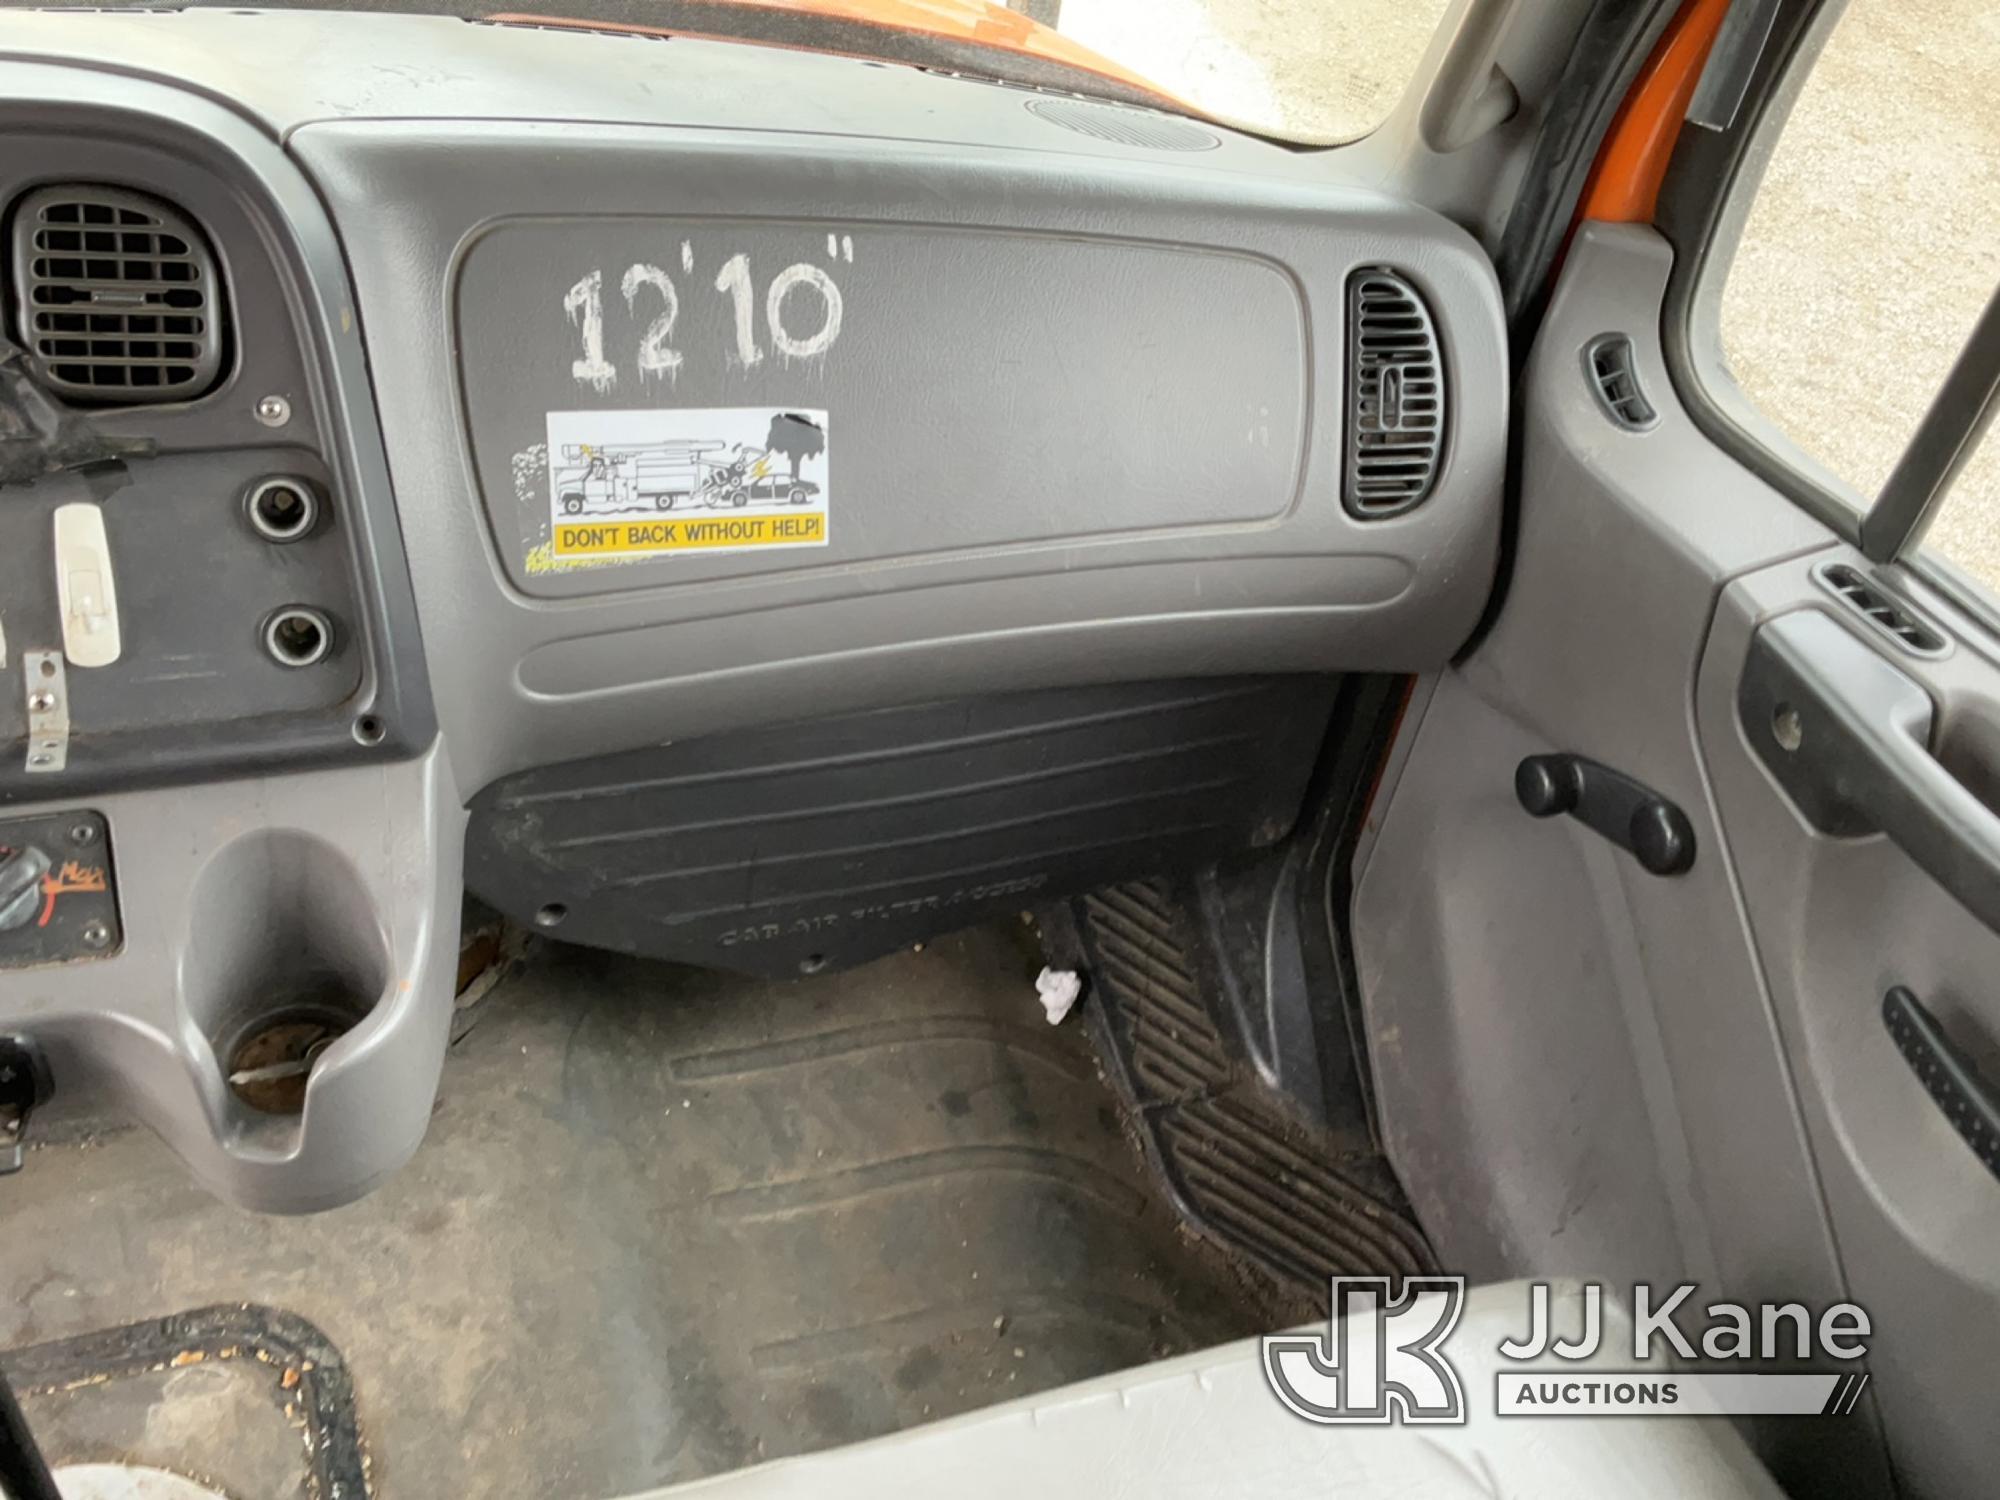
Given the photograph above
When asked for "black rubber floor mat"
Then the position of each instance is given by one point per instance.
(245, 1400)
(1239, 1166)
(668, 1223)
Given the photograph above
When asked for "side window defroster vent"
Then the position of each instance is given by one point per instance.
(1607, 362)
(117, 294)
(1395, 396)
(1881, 609)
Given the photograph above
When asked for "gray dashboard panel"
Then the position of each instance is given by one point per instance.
(192, 654)
(195, 583)
(1122, 366)
(1204, 309)
(240, 899)
(984, 389)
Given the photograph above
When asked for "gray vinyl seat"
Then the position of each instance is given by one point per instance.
(1207, 1425)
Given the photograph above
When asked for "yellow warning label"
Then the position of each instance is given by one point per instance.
(625, 538)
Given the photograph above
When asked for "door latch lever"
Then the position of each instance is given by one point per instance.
(1630, 814)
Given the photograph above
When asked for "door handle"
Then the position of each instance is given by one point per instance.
(1848, 736)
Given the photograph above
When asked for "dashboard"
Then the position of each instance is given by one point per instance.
(584, 433)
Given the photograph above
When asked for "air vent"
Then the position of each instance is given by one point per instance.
(1395, 396)
(1127, 127)
(1882, 610)
(117, 294)
(1607, 362)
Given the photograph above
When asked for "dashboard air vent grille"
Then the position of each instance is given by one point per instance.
(117, 294)
(1882, 610)
(1607, 361)
(1395, 396)
(1126, 127)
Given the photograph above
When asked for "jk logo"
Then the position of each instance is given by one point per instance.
(1378, 1361)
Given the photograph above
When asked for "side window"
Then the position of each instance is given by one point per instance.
(1867, 254)
(1315, 71)
(1964, 535)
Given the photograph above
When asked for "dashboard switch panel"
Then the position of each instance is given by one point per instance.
(58, 901)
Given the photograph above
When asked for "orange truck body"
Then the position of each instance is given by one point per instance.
(981, 23)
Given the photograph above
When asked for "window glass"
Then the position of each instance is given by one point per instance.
(1320, 70)
(1870, 246)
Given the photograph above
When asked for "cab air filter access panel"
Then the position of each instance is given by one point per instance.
(787, 850)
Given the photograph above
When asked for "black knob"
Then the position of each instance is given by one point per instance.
(21, 872)
(1548, 785)
(1662, 840)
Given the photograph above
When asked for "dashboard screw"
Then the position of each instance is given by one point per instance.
(83, 833)
(274, 411)
(96, 935)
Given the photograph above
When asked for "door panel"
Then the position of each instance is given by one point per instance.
(1838, 922)
(1532, 995)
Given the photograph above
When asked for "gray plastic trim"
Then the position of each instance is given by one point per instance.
(1579, 1065)
(622, 138)
(1837, 922)
(631, 145)
(249, 898)
(235, 893)
(1016, 583)
(270, 232)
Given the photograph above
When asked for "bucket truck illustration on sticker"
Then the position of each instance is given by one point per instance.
(640, 483)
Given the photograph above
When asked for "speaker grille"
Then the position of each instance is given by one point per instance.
(1395, 396)
(117, 294)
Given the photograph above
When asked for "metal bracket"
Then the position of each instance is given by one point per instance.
(48, 710)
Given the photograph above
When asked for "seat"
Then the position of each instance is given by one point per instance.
(1207, 1425)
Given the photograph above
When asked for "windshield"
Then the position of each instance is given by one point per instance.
(1314, 71)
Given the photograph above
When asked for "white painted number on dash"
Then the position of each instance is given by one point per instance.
(734, 279)
(788, 296)
(814, 279)
(585, 306)
(655, 358)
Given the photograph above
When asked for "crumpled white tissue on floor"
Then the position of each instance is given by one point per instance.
(1058, 989)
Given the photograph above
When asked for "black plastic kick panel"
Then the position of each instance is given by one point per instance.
(790, 850)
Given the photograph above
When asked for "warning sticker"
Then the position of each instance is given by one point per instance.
(628, 484)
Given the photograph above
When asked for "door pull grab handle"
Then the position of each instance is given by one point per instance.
(1969, 1102)
(1848, 735)
(1629, 813)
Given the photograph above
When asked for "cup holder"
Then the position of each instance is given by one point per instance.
(268, 1062)
(287, 955)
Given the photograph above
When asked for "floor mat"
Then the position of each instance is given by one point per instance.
(668, 1223)
(1242, 1169)
(245, 1400)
